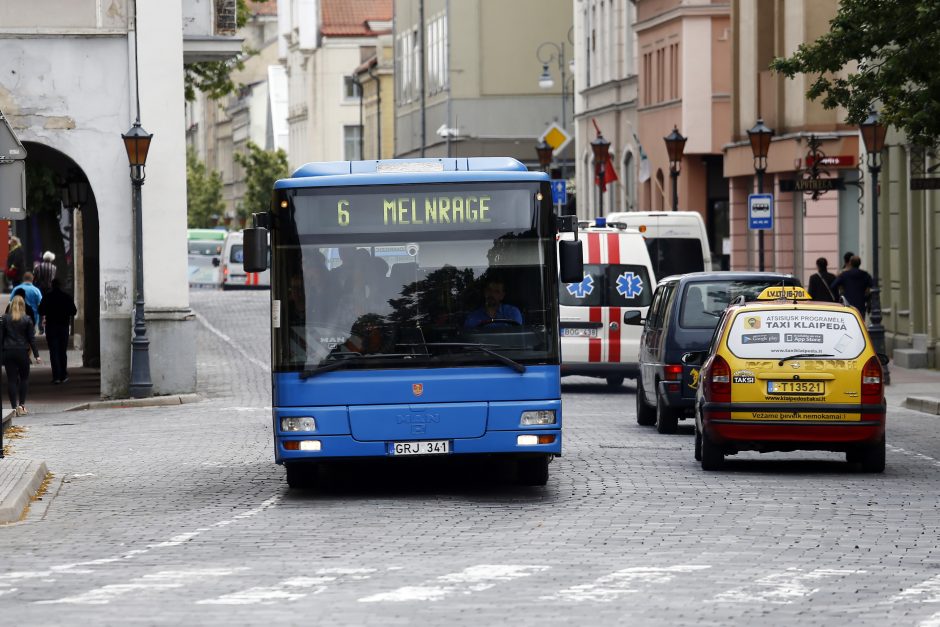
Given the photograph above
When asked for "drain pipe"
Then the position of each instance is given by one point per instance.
(378, 110)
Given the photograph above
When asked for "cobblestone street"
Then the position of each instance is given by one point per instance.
(178, 515)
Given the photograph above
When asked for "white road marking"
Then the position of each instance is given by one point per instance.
(231, 342)
(469, 580)
(627, 581)
(164, 580)
(921, 456)
(781, 588)
(933, 621)
(929, 589)
(291, 589)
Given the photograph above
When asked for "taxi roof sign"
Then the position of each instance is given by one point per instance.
(786, 292)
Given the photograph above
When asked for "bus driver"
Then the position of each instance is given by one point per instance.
(493, 312)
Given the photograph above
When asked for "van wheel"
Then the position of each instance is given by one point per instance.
(667, 419)
(301, 476)
(614, 381)
(873, 457)
(645, 415)
(698, 445)
(532, 472)
(713, 458)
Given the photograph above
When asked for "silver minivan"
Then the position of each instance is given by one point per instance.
(233, 270)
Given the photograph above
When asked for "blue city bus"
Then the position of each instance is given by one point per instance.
(414, 312)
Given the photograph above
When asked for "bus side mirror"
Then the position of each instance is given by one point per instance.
(571, 261)
(255, 250)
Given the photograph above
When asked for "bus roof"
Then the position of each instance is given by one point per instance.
(206, 234)
(398, 171)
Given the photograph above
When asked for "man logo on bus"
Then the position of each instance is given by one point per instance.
(629, 285)
(582, 289)
(417, 389)
(752, 322)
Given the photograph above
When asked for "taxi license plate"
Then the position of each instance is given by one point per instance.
(566, 332)
(796, 387)
(427, 447)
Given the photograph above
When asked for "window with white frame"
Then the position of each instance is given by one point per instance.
(352, 142)
(352, 90)
(436, 37)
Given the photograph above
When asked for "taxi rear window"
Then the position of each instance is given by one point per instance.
(776, 333)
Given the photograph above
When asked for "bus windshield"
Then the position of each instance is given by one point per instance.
(422, 276)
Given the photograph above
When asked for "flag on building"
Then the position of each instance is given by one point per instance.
(610, 174)
(644, 160)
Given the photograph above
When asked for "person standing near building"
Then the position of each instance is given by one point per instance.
(31, 294)
(16, 260)
(855, 283)
(819, 283)
(44, 271)
(57, 310)
(18, 341)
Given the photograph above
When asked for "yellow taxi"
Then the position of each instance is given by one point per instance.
(787, 373)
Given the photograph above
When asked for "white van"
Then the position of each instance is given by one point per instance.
(618, 277)
(233, 270)
(676, 240)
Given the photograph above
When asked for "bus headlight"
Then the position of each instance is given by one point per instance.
(298, 423)
(538, 417)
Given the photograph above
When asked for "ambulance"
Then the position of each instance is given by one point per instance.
(618, 281)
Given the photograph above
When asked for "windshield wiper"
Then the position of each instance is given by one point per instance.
(344, 362)
(802, 356)
(483, 348)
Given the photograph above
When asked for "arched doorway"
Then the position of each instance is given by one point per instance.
(62, 217)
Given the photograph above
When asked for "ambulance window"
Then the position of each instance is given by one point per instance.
(588, 293)
(628, 286)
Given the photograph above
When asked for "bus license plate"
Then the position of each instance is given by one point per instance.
(567, 332)
(795, 387)
(428, 447)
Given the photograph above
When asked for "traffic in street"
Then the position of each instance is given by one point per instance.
(179, 515)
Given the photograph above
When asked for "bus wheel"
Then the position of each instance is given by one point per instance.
(614, 381)
(532, 471)
(301, 476)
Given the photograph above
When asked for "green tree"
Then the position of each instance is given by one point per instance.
(204, 205)
(262, 168)
(895, 44)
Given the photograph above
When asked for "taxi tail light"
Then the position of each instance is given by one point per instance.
(673, 372)
(872, 386)
(719, 380)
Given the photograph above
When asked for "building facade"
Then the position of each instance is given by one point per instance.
(376, 78)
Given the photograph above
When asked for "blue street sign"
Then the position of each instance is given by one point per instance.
(760, 212)
(559, 192)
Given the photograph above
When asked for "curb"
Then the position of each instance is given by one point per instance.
(123, 403)
(925, 404)
(25, 487)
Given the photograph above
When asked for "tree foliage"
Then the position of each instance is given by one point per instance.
(213, 78)
(262, 168)
(203, 193)
(896, 44)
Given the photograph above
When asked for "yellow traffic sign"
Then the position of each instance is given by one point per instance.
(556, 137)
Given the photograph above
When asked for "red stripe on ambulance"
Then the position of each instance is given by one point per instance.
(594, 344)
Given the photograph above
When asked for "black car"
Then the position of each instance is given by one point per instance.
(682, 318)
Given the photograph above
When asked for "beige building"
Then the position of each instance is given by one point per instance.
(467, 76)
(685, 83)
(376, 77)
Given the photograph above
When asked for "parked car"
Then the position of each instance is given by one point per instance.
(682, 318)
(676, 240)
(787, 373)
(233, 269)
(618, 279)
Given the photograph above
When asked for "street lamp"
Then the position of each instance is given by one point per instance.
(544, 151)
(759, 137)
(601, 149)
(873, 135)
(137, 144)
(675, 145)
(547, 53)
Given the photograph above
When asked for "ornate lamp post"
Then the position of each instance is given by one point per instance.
(137, 143)
(675, 145)
(601, 149)
(873, 135)
(544, 151)
(547, 53)
(759, 137)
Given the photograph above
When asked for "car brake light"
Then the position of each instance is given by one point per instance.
(872, 387)
(719, 381)
(673, 372)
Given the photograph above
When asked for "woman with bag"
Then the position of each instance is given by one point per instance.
(819, 283)
(18, 341)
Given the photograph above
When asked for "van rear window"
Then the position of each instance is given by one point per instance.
(603, 285)
(776, 333)
(704, 301)
(675, 255)
(237, 254)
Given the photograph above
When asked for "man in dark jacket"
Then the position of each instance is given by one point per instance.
(819, 283)
(856, 285)
(57, 310)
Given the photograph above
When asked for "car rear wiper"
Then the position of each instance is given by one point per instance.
(483, 348)
(802, 356)
(344, 362)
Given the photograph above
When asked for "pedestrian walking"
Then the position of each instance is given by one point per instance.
(18, 341)
(855, 283)
(56, 311)
(820, 281)
(31, 294)
(846, 259)
(44, 271)
(16, 261)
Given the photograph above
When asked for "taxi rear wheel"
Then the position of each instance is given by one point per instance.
(873, 457)
(667, 418)
(645, 415)
(713, 458)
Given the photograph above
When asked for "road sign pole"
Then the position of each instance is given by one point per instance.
(760, 234)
